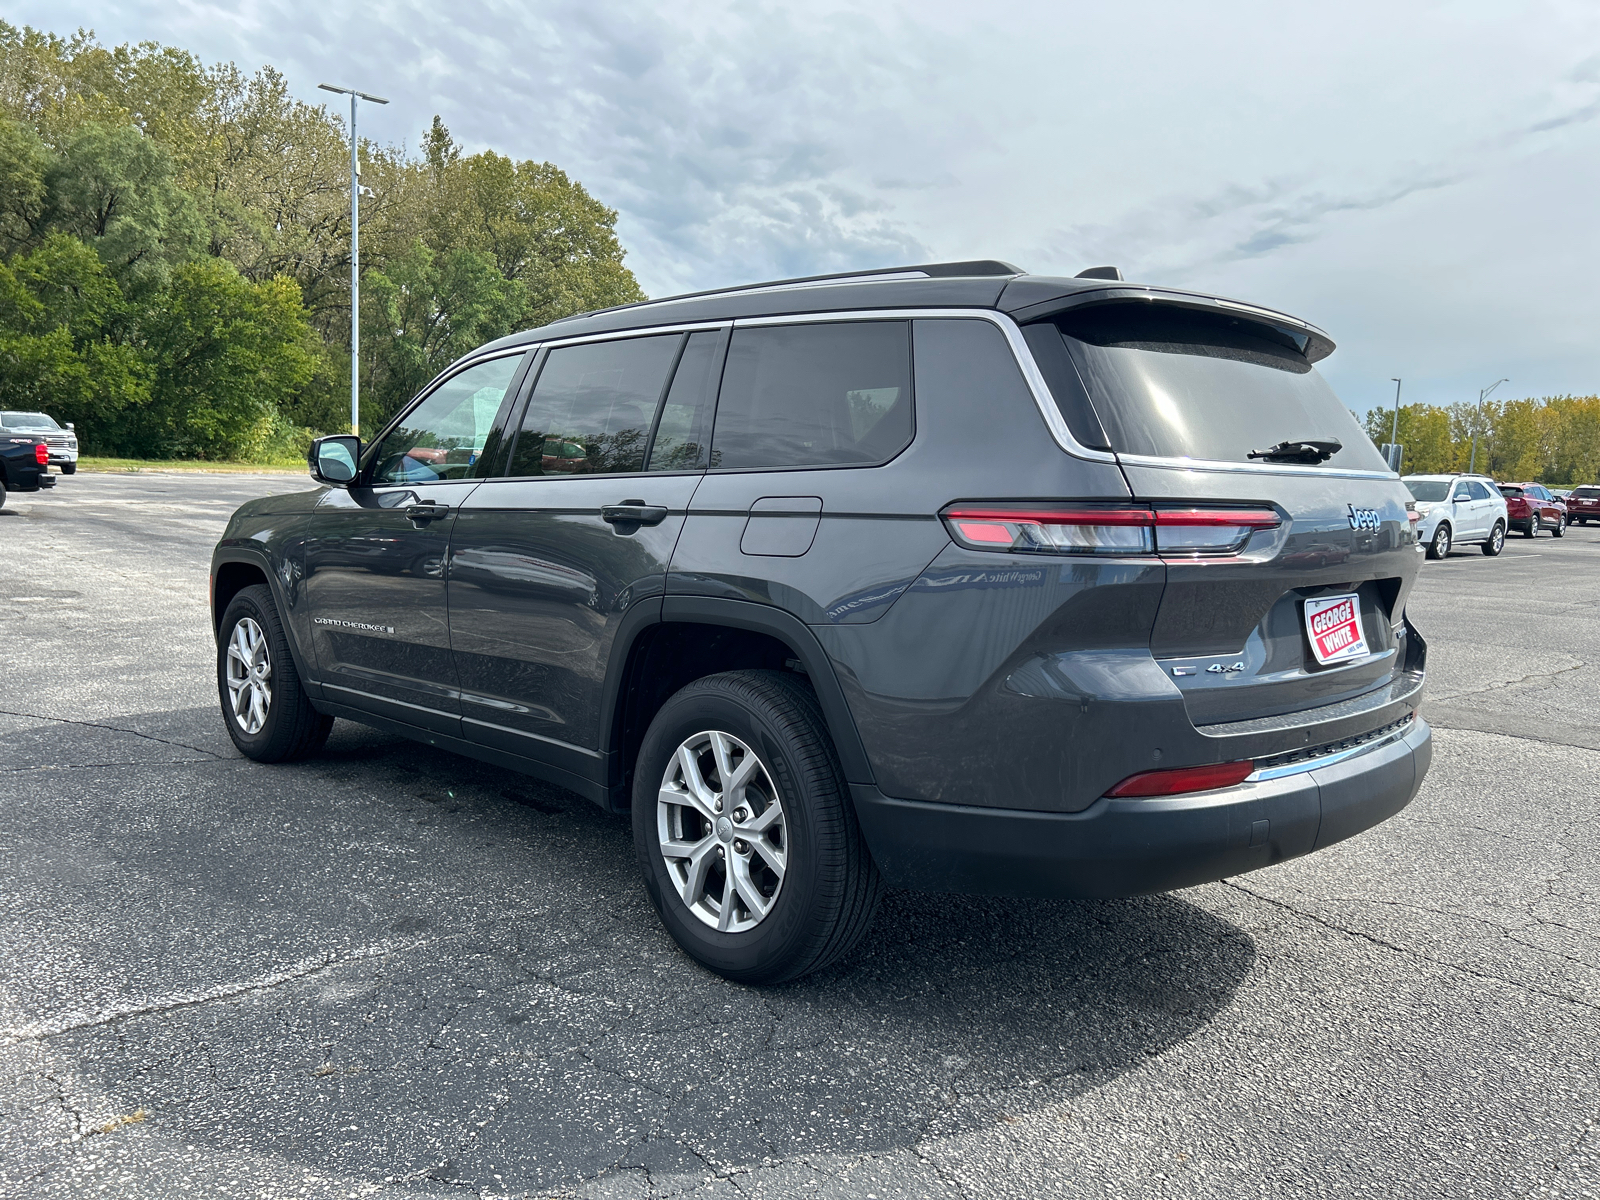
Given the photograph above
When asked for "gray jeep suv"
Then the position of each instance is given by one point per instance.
(945, 577)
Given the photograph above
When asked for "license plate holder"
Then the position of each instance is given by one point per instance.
(1333, 623)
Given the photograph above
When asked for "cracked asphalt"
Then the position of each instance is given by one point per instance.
(391, 971)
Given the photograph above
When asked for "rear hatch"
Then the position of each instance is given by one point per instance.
(1296, 606)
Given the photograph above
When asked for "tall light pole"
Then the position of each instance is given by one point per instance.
(1472, 465)
(1394, 428)
(355, 254)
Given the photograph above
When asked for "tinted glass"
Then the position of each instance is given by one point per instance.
(680, 441)
(1180, 384)
(591, 410)
(815, 395)
(1428, 491)
(443, 437)
(1510, 493)
(27, 420)
(1479, 492)
(1586, 493)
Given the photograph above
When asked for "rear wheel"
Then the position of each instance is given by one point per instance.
(1497, 539)
(1440, 546)
(1532, 528)
(2, 493)
(1560, 529)
(750, 850)
(264, 705)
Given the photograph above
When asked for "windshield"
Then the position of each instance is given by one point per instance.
(1428, 491)
(27, 420)
(1176, 383)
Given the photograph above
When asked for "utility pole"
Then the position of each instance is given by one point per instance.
(355, 254)
(1477, 423)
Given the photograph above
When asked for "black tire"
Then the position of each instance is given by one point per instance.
(1560, 529)
(1440, 545)
(830, 888)
(2, 493)
(1497, 540)
(292, 728)
(69, 468)
(1533, 527)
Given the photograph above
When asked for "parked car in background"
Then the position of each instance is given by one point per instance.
(1530, 507)
(61, 439)
(1583, 504)
(24, 465)
(1458, 510)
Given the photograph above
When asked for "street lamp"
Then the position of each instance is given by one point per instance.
(1477, 424)
(355, 255)
(1394, 428)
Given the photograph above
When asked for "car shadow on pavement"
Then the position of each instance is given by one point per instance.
(515, 1016)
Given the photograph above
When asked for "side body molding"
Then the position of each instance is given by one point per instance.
(763, 618)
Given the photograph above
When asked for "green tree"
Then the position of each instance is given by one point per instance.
(23, 164)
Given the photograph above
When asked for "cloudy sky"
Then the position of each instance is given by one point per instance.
(1418, 179)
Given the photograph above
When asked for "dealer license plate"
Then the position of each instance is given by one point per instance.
(1334, 624)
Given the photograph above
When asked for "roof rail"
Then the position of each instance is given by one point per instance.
(949, 270)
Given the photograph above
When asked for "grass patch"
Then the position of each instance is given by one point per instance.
(128, 466)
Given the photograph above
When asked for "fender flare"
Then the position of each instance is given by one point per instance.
(254, 558)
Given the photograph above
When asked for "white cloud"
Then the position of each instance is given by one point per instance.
(1415, 178)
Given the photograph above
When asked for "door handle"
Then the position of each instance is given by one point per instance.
(633, 512)
(429, 511)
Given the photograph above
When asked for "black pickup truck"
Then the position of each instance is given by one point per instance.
(24, 465)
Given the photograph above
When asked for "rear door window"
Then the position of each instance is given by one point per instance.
(828, 394)
(1171, 382)
(683, 428)
(1479, 492)
(593, 406)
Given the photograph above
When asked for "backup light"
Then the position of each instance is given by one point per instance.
(1175, 781)
(1084, 529)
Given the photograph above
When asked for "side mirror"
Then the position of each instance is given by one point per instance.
(333, 459)
(70, 425)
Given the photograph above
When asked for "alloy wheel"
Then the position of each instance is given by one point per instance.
(722, 833)
(249, 676)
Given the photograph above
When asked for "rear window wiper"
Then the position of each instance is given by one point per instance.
(1309, 451)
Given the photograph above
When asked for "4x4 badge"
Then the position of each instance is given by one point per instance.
(1364, 518)
(1224, 668)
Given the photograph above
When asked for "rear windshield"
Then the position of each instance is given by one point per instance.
(1586, 493)
(27, 420)
(1428, 491)
(1177, 383)
(1511, 493)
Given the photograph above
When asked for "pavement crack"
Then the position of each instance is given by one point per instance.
(41, 1030)
(5, 712)
(1408, 951)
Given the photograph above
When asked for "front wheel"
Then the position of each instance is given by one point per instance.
(750, 850)
(69, 468)
(1440, 546)
(1497, 540)
(264, 704)
(1561, 527)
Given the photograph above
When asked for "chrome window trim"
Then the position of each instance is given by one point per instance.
(1042, 399)
(1208, 464)
(619, 334)
(1328, 760)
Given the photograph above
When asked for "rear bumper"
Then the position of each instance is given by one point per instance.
(1136, 847)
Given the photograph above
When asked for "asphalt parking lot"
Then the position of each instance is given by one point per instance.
(389, 970)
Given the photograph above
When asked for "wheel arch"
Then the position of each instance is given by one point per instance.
(661, 647)
(234, 570)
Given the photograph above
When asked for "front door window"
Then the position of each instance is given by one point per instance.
(443, 438)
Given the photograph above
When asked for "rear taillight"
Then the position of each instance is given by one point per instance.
(41, 453)
(1176, 781)
(1106, 531)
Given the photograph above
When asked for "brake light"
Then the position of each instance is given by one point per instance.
(1175, 781)
(1107, 531)
(41, 454)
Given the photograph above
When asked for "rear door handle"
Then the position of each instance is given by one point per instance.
(424, 513)
(633, 512)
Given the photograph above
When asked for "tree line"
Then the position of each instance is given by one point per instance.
(175, 252)
(1555, 440)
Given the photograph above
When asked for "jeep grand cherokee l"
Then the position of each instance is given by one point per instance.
(742, 564)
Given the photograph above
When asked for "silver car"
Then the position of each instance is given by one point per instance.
(1458, 510)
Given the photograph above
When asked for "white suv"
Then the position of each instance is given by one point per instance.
(1456, 510)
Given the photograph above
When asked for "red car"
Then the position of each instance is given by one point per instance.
(1583, 504)
(1530, 507)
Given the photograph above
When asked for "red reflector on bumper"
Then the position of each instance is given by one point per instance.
(1177, 780)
